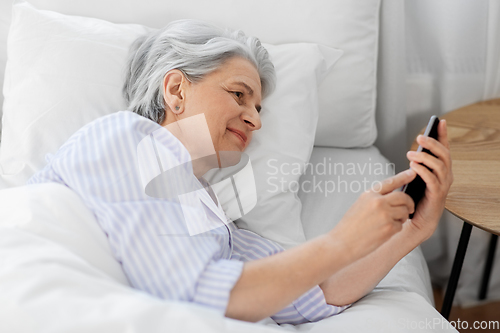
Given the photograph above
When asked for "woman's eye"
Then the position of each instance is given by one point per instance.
(238, 94)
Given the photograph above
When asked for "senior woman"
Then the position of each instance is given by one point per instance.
(188, 69)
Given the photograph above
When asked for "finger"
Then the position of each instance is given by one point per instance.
(401, 199)
(436, 147)
(438, 167)
(394, 182)
(400, 213)
(443, 133)
(428, 177)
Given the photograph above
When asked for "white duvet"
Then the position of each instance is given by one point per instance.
(57, 274)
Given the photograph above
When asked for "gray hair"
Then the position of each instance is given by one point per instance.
(196, 49)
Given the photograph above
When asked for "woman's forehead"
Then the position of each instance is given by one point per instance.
(241, 72)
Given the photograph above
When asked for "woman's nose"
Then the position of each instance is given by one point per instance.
(252, 120)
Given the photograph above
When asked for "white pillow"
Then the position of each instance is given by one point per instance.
(334, 180)
(65, 71)
(347, 95)
(286, 138)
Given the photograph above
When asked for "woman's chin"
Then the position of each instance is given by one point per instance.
(229, 158)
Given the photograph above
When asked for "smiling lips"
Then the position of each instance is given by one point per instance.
(239, 134)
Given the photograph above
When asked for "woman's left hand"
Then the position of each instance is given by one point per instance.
(438, 181)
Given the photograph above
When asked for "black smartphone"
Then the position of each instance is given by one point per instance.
(416, 188)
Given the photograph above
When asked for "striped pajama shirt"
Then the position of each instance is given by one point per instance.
(148, 235)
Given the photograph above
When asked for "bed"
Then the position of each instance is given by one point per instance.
(58, 273)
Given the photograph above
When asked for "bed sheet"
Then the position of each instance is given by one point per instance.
(57, 275)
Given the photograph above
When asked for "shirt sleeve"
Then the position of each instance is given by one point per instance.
(216, 282)
(147, 235)
(310, 307)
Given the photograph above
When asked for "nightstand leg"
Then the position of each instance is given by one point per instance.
(455, 271)
(487, 267)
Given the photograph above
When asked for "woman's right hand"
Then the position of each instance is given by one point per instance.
(377, 215)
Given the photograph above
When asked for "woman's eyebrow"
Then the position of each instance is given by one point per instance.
(246, 86)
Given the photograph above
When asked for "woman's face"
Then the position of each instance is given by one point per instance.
(230, 99)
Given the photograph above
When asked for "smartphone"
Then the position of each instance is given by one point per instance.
(416, 188)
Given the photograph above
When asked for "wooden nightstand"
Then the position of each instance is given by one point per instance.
(474, 197)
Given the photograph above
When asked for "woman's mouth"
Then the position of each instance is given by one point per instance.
(239, 134)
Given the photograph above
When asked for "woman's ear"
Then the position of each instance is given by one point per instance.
(174, 84)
